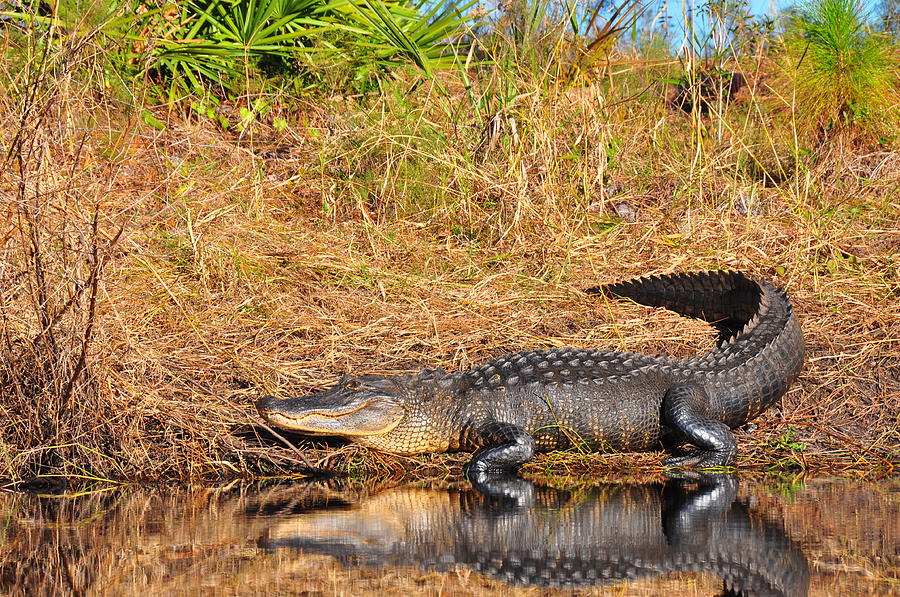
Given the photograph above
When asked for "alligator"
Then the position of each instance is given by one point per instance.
(525, 534)
(509, 408)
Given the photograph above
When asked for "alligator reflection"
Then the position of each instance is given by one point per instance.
(530, 535)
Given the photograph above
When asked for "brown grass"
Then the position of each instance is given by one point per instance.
(195, 270)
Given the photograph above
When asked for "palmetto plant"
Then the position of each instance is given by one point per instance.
(203, 41)
(212, 38)
(418, 30)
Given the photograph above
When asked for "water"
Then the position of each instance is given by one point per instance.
(722, 537)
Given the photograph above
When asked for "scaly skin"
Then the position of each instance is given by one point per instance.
(511, 407)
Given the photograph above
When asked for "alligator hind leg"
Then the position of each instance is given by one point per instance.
(507, 446)
(686, 410)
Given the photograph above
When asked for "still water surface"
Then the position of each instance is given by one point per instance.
(718, 537)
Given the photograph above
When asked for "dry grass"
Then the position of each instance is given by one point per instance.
(405, 235)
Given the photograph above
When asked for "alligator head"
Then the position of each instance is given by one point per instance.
(356, 406)
(380, 412)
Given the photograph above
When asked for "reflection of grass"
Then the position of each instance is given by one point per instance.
(788, 488)
(153, 541)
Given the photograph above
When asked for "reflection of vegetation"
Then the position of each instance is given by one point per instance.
(174, 541)
(789, 488)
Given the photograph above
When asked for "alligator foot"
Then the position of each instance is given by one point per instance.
(507, 446)
(686, 410)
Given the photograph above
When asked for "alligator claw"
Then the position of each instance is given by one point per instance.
(701, 459)
(478, 469)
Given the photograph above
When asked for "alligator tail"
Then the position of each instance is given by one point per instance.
(760, 350)
(727, 300)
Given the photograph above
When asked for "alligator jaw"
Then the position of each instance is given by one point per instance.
(370, 415)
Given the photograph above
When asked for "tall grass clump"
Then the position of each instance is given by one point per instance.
(842, 71)
(68, 411)
(55, 240)
(515, 136)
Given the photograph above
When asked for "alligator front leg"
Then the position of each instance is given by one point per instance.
(686, 410)
(506, 447)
